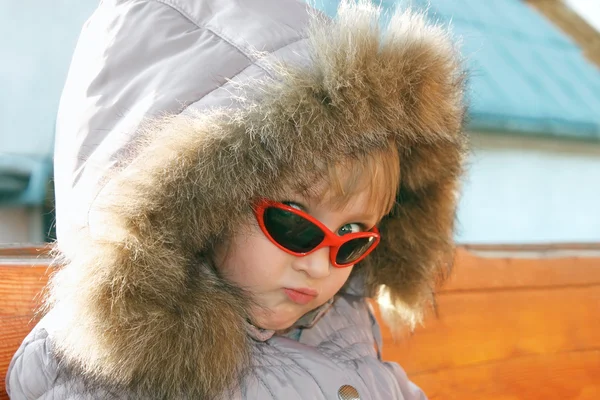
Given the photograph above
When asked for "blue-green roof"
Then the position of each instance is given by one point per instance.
(526, 76)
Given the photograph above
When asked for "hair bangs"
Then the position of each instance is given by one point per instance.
(378, 173)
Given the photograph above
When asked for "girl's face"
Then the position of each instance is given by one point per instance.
(285, 287)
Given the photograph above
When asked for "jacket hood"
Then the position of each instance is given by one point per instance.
(142, 308)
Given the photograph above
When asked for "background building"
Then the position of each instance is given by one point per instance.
(534, 172)
(36, 43)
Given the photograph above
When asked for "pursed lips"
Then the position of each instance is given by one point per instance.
(301, 296)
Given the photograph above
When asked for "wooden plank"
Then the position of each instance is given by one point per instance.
(476, 272)
(18, 250)
(563, 376)
(480, 327)
(20, 287)
(14, 330)
(572, 24)
(541, 247)
(45, 248)
(501, 323)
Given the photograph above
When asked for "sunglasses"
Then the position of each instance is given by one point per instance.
(300, 234)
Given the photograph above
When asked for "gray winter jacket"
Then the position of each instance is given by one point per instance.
(255, 92)
(339, 355)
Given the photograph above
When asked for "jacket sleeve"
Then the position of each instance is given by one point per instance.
(34, 374)
(410, 391)
(33, 370)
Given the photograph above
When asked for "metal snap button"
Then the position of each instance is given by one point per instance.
(348, 392)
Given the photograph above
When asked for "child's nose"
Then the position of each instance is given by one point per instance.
(316, 265)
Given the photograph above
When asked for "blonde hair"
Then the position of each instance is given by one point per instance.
(377, 172)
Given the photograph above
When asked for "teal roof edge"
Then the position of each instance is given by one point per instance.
(525, 75)
(550, 127)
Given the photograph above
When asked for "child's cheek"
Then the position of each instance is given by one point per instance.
(338, 278)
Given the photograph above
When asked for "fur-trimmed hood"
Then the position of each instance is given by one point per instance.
(142, 308)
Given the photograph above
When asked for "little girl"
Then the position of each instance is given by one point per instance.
(230, 251)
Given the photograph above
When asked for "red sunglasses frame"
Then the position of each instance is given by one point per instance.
(331, 240)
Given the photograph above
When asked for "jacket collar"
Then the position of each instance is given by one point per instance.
(308, 320)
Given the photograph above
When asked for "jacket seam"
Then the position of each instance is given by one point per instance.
(169, 4)
(253, 63)
(193, 21)
(220, 35)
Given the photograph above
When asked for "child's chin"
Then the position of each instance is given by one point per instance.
(275, 323)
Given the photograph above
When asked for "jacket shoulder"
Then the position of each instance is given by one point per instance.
(33, 369)
(35, 373)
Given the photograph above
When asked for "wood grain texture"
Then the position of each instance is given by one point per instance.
(572, 375)
(509, 328)
(478, 327)
(14, 330)
(571, 23)
(482, 273)
(506, 328)
(24, 251)
(20, 287)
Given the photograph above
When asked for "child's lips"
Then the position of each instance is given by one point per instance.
(301, 296)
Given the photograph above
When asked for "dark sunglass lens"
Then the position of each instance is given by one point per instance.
(353, 249)
(292, 231)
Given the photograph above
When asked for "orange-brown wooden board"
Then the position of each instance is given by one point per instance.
(476, 272)
(521, 319)
(14, 330)
(560, 376)
(20, 286)
(24, 251)
(505, 326)
(480, 327)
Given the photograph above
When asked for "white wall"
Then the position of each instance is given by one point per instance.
(21, 225)
(37, 39)
(518, 190)
(530, 190)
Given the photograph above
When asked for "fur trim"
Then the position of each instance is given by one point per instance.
(143, 308)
